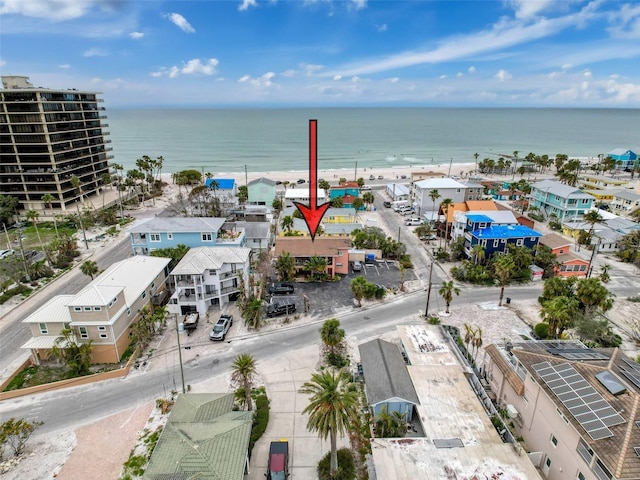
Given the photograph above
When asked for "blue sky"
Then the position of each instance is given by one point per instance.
(568, 53)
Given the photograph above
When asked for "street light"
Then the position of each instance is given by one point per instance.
(426, 310)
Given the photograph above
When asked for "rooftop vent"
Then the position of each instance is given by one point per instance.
(610, 382)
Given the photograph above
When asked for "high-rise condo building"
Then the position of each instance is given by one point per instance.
(52, 145)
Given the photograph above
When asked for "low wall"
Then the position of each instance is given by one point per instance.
(71, 382)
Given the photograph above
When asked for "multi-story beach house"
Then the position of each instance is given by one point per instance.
(261, 191)
(335, 250)
(345, 188)
(336, 222)
(169, 232)
(628, 159)
(445, 187)
(102, 312)
(208, 278)
(570, 264)
(564, 201)
(474, 190)
(256, 234)
(625, 202)
(606, 233)
(49, 139)
(301, 194)
(225, 190)
(600, 182)
(574, 407)
(460, 223)
(495, 238)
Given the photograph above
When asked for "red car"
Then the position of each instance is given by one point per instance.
(278, 466)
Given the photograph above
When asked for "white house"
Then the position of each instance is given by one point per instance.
(446, 188)
(625, 201)
(301, 194)
(208, 277)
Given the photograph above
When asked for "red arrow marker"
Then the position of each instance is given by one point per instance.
(314, 212)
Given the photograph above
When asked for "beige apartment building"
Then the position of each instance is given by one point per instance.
(102, 312)
(47, 139)
(576, 408)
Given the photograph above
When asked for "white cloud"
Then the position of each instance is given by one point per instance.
(310, 69)
(442, 77)
(625, 22)
(95, 52)
(394, 80)
(503, 75)
(181, 22)
(337, 77)
(355, 79)
(263, 81)
(56, 10)
(471, 69)
(528, 8)
(2, 62)
(359, 4)
(459, 74)
(191, 67)
(587, 73)
(246, 4)
(566, 66)
(381, 28)
(64, 66)
(504, 34)
(289, 73)
(244, 78)
(136, 35)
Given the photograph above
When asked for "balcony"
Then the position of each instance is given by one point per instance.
(225, 275)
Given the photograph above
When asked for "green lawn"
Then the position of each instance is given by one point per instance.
(30, 238)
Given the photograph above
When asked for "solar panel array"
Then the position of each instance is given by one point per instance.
(587, 406)
(631, 371)
(573, 350)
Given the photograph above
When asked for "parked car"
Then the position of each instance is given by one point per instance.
(220, 329)
(278, 463)
(281, 289)
(372, 177)
(301, 181)
(280, 308)
(191, 322)
(5, 253)
(413, 221)
(387, 204)
(380, 177)
(403, 177)
(357, 266)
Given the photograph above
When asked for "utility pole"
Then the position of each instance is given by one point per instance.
(355, 174)
(246, 178)
(6, 234)
(426, 311)
(180, 354)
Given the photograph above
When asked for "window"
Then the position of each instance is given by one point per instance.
(43, 328)
(526, 400)
(601, 471)
(212, 272)
(83, 332)
(547, 462)
(128, 312)
(562, 415)
(583, 268)
(585, 451)
(169, 236)
(144, 295)
(97, 309)
(554, 440)
(154, 237)
(561, 251)
(77, 309)
(87, 309)
(102, 328)
(581, 476)
(103, 335)
(495, 243)
(206, 237)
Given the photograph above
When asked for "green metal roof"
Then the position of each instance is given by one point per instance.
(204, 439)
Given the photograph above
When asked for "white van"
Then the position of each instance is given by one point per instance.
(405, 210)
(400, 204)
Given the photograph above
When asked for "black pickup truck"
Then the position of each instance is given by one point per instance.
(278, 466)
(281, 307)
(281, 289)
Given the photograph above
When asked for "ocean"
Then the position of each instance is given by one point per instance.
(266, 140)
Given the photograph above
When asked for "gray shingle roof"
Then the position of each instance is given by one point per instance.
(560, 189)
(197, 260)
(385, 373)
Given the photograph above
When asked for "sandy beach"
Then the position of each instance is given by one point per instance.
(389, 174)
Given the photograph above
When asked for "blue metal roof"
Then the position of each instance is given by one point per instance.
(505, 231)
(479, 218)
(223, 183)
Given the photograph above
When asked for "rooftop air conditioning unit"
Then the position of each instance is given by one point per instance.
(511, 411)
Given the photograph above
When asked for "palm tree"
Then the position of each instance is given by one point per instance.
(287, 223)
(358, 203)
(106, 180)
(358, 286)
(243, 371)
(337, 202)
(476, 155)
(253, 313)
(477, 342)
(286, 266)
(434, 195)
(469, 333)
(33, 216)
(478, 253)
(89, 268)
(323, 184)
(559, 313)
(368, 198)
(331, 334)
(446, 292)
(316, 266)
(592, 217)
(515, 162)
(444, 207)
(332, 407)
(48, 199)
(504, 268)
(75, 183)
